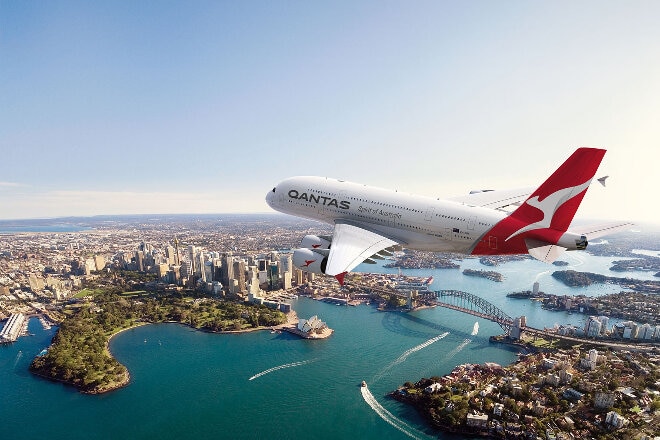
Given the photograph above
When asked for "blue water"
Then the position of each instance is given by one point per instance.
(191, 384)
(42, 228)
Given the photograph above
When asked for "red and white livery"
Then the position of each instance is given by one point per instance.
(369, 222)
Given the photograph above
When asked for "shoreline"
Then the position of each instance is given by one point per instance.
(292, 318)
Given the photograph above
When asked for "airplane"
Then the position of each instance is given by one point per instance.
(369, 222)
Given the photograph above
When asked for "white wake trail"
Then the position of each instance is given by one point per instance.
(407, 353)
(410, 351)
(18, 357)
(386, 415)
(539, 275)
(460, 347)
(279, 367)
(475, 329)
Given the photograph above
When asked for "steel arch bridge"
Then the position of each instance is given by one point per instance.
(473, 305)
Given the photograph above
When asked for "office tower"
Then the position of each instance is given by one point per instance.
(239, 274)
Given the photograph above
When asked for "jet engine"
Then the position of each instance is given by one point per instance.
(315, 242)
(573, 241)
(311, 260)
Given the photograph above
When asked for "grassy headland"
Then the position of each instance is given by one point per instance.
(79, 355)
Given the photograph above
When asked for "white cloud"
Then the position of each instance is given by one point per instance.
(9, 184)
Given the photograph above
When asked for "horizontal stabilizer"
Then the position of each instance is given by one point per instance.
(597, 231)
(544, 251)
(497, 199)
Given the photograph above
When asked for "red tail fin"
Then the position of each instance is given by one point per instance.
(548, 212)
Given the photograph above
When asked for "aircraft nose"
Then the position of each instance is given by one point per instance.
(270, 196)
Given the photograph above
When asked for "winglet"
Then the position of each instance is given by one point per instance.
(340, 277)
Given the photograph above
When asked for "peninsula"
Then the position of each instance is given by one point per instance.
(79, 354)
(588, 393)
(573, 278)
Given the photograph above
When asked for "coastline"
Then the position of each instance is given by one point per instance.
(125, 380)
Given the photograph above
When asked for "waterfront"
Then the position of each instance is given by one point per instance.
(188, 384)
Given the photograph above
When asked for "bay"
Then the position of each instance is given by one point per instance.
(192, 384)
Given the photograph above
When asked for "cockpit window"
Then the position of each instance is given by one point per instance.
(273, 189)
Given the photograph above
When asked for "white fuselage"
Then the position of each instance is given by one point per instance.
(418, 222)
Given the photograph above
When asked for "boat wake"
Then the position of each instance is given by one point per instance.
(541, 274)
(408, 352)
(475, 329)
(279, 367)
(18, 358)
(460, 347)
(388, 416)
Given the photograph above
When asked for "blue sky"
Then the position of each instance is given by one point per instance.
(202, 107)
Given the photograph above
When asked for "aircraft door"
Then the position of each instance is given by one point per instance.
(471, 221)
(428, 215)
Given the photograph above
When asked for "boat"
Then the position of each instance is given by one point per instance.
(363, 384)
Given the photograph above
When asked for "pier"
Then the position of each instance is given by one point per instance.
(13, 328)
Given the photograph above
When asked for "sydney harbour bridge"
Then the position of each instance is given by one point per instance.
(476, 306)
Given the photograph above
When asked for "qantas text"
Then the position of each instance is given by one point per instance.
(323, 200)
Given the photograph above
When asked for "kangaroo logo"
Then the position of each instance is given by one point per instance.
(549, 206)
(308, 262)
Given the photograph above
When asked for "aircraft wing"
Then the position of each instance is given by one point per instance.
(351, 245)
(597, 231)
(495, 199)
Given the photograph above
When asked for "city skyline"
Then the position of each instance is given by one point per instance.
(203, 107)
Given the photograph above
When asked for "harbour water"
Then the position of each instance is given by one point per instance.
(191, 384)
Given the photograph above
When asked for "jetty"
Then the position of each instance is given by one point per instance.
(13, 328)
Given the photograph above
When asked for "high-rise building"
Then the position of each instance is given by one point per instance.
(139, 260)
(207, 273)
(227, 270)
(99, 262)
(239, 274)
(286, 280)
(646, 331)
(298, 276)
(605, 321)
(592, 328)
(170, 253)
(286, 263)
(162, 270)
(186, 269)
(274, 275)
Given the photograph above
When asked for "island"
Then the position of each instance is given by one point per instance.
(488, 274)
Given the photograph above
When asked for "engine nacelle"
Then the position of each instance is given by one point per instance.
(315, 242)
(310, 260)
(572, 241)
